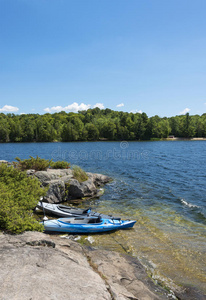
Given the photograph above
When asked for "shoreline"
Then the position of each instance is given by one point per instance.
(107, 140)
(184, 139)
(186, 298)
(37, 265)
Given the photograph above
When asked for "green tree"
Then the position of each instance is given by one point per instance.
(78, 125)
(28, 129)
(203, 121)
(15, 134)
(108, 130)
(69, 133)
(164, 128)
(122, 133)
(45, 132)
(4, 130)
(92, 131)
(84, 134)
(174, 126)
(139, 126)
(189, 128)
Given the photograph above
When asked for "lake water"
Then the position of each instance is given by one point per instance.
(162, 185)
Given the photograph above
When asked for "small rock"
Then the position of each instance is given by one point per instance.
(30, 172)
(3, 161)
(90, 239)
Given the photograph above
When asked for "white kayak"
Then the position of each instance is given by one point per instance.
(68, 211)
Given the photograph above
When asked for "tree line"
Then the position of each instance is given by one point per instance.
(96, 124)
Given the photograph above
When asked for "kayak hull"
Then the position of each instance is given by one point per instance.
(105, 225)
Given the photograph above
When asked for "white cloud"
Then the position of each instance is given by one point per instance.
(74, 107)
(136, 111)
(100, 105)
(186, 110)
(54, 109)
(120, 105)
(47, 110)
(9, 108)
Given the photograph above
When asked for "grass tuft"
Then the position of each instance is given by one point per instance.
(79, 174)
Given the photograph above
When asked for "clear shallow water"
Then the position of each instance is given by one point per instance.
(162, 185)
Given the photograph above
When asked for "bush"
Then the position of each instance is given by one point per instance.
(79, 174)
(60, 165)
(19, 195)
(37, 164)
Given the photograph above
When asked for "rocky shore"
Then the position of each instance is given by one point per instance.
(39, 266)
(64, 187)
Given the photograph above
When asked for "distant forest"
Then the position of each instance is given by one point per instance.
(96, 124)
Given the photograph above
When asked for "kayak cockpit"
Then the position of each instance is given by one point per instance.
(72, 210)
(81, 221)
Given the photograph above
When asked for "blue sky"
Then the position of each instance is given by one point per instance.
(131, 55)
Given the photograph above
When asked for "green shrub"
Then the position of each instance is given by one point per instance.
(37, 164)
(79, 174)
(60, 165)
(19, 195)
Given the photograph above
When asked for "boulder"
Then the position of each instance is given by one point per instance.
(74, 189)
(78, 189)
(52, 174)
(60, 172)
(56, 191)
(45, 176)
(63, 186)
(89, 188)
(99, 179)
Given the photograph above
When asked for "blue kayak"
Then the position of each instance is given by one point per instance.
(86, 225)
